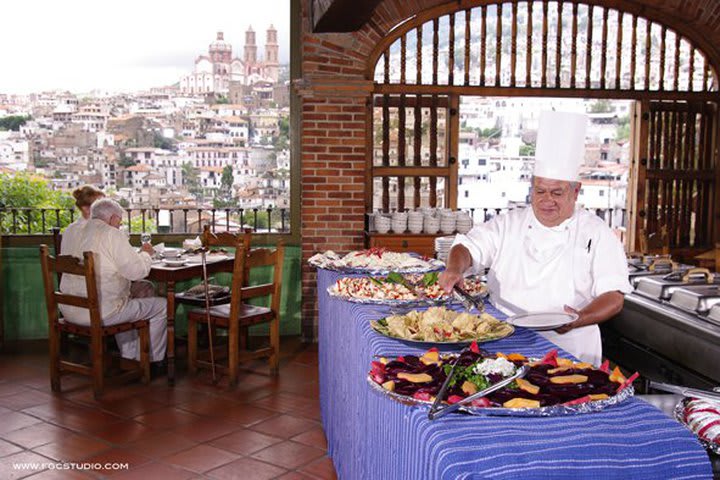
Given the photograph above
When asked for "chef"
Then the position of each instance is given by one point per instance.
(553, 256)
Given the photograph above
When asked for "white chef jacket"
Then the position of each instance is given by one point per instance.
(117, 264)
(535, 268)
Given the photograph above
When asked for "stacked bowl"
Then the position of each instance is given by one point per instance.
(415, 222)
(382, 223)
(463, 222)
(447, 222)
(399, 222)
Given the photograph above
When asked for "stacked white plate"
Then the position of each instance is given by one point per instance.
(442, 247)
(463, 222)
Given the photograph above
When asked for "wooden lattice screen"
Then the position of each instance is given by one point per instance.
(411, 164)
(541, 44)
(676, 171)
(546, 48)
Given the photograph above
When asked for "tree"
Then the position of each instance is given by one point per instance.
(601, 106)
(32, 193)
(224, 199)
(527, 150)
(160, 141)
(13, 122)
(623, 129)
(191, 179)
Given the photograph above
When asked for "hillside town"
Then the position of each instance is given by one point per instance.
(218, 138)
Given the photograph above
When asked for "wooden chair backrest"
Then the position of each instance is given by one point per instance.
(227, 239)
(257, 257)
(67, 264)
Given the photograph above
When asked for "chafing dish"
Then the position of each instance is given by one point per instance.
(713, 315)
(662, 288)
(696, 298)
(652, 266)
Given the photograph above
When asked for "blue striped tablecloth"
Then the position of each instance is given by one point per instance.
(371, 437)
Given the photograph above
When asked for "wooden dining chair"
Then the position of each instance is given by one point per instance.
(220, 239)
(239, 315)
(96, 332)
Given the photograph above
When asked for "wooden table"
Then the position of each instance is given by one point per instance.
(169, 276)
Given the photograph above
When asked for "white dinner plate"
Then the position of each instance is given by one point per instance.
(174, 263)
(542, 320)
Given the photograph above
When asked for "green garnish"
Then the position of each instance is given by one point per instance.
(394, 277)
(376, 281)
(430, 278)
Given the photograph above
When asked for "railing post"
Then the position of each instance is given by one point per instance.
(269, 211)
(255, 212)
(129, 215)
(282, 219)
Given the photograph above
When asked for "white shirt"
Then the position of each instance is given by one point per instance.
(117, 264)
(71, 237)
(534, 268)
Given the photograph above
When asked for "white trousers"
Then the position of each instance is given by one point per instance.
(153, 309)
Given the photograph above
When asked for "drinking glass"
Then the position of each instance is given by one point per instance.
(145, 237)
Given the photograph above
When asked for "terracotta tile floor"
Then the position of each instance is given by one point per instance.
(265, 428)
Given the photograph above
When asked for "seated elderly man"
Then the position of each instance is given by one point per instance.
(117, 265)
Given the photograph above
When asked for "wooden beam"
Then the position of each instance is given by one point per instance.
(341, 16)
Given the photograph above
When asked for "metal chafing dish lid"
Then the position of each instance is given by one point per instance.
(662, 287)
(696, 298)
(714, 314)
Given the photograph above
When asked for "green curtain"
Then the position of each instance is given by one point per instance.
(25, 313)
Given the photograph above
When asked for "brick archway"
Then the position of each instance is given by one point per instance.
(335, 91)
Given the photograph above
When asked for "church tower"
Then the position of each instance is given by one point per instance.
(220, 54)
(271, 54)
(250, 58)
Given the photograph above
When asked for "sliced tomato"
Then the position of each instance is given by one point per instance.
(480, 402)
(550, 358)
(454, 399)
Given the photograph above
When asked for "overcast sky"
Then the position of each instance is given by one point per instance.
(80, 45)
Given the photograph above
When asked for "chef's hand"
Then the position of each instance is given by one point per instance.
(577, 323)
(448, 279)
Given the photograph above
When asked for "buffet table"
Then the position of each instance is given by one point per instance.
(373, 437)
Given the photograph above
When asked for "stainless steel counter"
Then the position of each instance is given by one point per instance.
(663, 343)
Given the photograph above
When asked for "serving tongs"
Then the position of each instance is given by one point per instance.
(468, 300)
(687, 391)
(436, 412)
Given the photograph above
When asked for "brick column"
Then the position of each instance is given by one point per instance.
(334, 115)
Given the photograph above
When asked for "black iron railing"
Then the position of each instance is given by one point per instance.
(40, 221)
(613, 217)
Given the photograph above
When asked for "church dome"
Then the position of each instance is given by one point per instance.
(220, 44)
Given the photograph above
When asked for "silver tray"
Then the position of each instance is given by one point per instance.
(415, 302)
(696, 298)
(552, 411)
(434, 266)
(679, 412)
(460, 343)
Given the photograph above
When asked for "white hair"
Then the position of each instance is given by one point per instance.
(104, 208)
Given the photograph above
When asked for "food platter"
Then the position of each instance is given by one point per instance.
(703, 419)
(542, 321)
(375, 261)
(554, 386)
(400, 289)
(441, 326)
